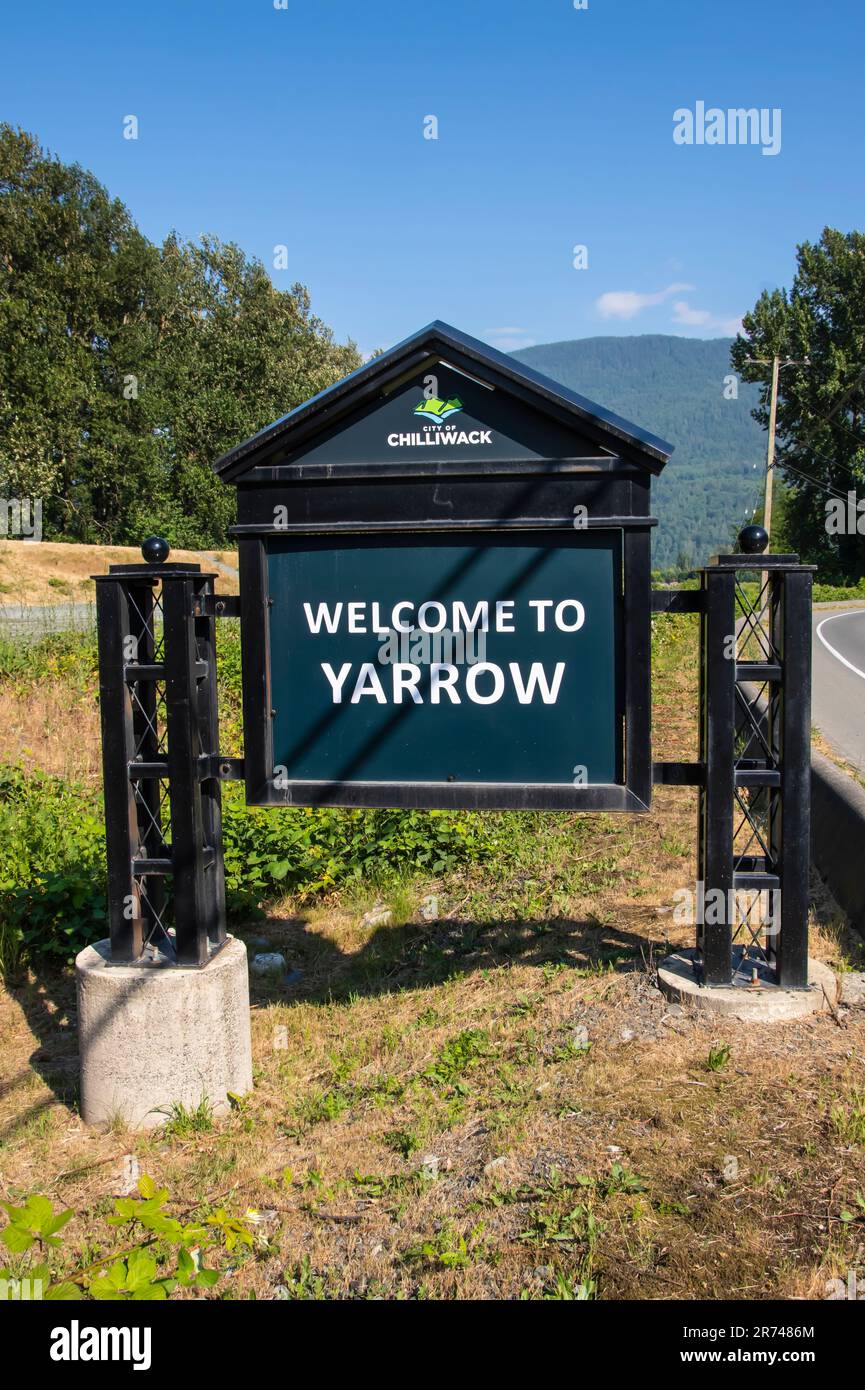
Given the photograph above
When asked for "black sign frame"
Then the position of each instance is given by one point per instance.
(604, 473)
(634, 794)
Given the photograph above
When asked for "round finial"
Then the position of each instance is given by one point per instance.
(155, 550)
(753, 540)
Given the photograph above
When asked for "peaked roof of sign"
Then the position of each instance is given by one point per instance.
(437, 336)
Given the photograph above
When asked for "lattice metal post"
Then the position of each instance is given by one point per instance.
(791, 826)
(157, 675)
(715, 814)
(124, 609)
(754, 819)
(196, 822)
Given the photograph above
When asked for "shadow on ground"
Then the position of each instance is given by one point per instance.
(417, 955)
(47, 1000)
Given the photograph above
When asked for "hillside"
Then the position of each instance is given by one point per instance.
(59, 572)
(674, 386)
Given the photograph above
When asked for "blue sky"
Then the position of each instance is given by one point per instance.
(304, 127)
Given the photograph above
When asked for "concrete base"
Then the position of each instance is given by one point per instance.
(154, 1036)
(765, 1003)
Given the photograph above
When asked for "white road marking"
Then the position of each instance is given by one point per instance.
(830, 648)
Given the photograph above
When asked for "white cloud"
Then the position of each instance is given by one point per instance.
(684, 313)
(626, 304)
(507, 339)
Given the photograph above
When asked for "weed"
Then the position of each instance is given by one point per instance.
(447, 1249)
(401, 1141)
(718, 1057)
(847, 1118)
(186, 1120)
(303, 1283)
(457, 1055)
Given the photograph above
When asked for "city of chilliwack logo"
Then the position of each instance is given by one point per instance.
(435, 411)
(438, 431)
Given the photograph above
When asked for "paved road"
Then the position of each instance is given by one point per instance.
(838, 707)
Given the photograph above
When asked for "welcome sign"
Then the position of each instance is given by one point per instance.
(445, 590)
(447, 662)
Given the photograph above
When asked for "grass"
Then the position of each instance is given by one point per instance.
(183, 1121)
(483, 1096)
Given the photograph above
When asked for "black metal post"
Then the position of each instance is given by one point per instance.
(717, 732)
(791, 848)
(196, 820)
(122, 836)
(211, 786)
(160, 733)
(756, 755)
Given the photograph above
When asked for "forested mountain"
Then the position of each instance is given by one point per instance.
(675, 387)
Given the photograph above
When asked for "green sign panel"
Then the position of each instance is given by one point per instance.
(443, 414)
(492, 658)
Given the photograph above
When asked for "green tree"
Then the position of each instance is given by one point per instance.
(821, 403)
(237, 354)
(75, 277)
(127, 368)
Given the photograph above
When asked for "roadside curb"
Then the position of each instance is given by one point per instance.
(838, 835)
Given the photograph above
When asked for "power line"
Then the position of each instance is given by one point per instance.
(827, 487)
(833, 463)
(824, 419)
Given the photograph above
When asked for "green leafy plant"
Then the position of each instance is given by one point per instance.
(52, 856)
(146, 1269)
(446, 1249)
(847, 1118)
(184, 1120)
(309, 850)
(303, 1283)
(859, 1202)
(565, 1288)
(458, 1055)
(34, 1223)
(620, 1179)
(718, 1057)
(135, 1278)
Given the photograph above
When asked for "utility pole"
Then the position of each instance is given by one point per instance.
(770, 451)
(777, 362)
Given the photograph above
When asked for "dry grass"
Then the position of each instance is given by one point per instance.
(497, 1103)
(35, 731)
(52, 572)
